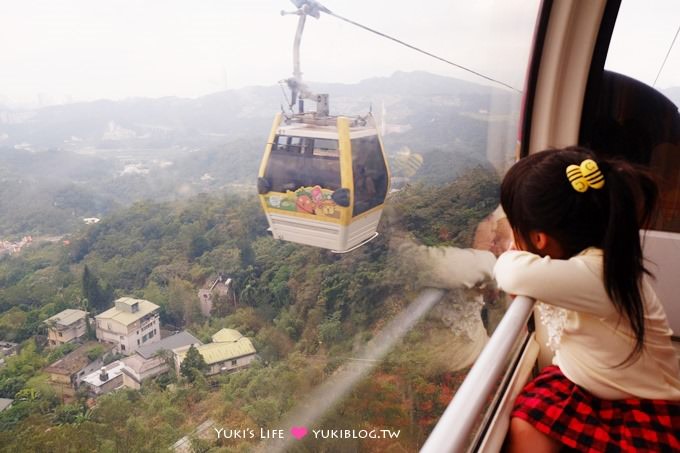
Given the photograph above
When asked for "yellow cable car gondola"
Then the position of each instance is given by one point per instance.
(324, 185)
(323, 179)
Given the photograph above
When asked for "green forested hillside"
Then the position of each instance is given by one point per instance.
(306, 310)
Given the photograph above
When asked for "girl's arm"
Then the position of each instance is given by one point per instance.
(575, 284)
(447, 267)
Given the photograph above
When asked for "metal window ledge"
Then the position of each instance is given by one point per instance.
(455, 428)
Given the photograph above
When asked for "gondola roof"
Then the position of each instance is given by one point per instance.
(327, 132)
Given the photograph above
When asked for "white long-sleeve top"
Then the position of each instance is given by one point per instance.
(592, 338)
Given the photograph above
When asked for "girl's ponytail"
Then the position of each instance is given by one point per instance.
(632, 197)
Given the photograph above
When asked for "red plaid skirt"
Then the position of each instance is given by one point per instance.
(564, 411)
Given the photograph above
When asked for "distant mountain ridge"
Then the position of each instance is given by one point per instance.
(62, 163)
(235, 113)
(241, 113)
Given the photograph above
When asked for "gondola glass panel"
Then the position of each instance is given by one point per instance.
(370, 174)
(303, 162)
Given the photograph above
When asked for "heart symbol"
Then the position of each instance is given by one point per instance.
(298, 432)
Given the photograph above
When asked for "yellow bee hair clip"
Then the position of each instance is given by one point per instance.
(585, 175)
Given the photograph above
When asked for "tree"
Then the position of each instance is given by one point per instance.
(27, 361)
(193, 363)
(183, 305)
(198, 245)
(222, 304)
(98, 297)
(330, 331)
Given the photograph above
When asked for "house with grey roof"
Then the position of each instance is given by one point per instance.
(67, 326)
(149, 361)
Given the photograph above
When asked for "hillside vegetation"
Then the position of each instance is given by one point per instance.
(307, 310)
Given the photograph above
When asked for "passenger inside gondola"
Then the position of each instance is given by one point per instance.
(364, 190)
(370, 174)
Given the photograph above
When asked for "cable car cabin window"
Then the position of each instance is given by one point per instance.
(303, 162)
(635, 116)
(325, 148)
(635, 122)
(370, 174)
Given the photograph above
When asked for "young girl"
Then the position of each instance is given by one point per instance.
(615, 381)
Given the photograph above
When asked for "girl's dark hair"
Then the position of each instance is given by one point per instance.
(537, 196)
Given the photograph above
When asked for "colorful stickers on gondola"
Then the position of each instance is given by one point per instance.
(309, 200)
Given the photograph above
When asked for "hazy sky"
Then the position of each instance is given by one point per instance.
(62, 50)
(642, 36)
